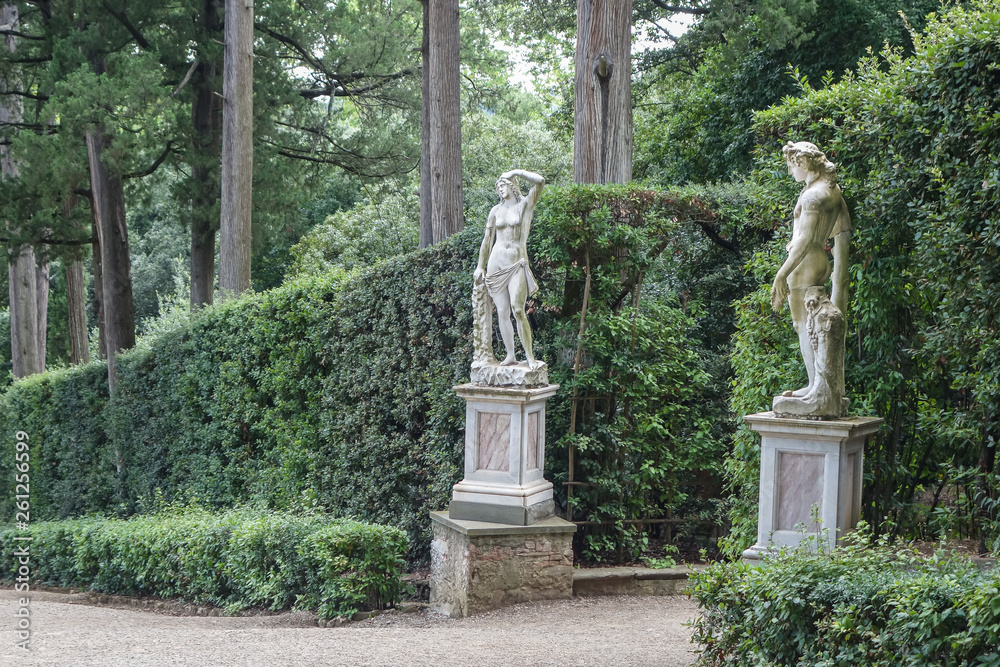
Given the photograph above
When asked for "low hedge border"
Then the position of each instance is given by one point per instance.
(862, 606)
(236, 559)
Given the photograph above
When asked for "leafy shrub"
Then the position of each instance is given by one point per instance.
(380, 226)
(646, 413)
(861, 606)
(238, 559)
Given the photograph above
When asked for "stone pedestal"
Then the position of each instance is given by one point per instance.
(810, 479)
(478, 566)
(504, 455)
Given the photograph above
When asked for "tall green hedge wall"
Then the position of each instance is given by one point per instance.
(324, 392)
(335, 391)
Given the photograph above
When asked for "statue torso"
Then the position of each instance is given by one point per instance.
(510, 244)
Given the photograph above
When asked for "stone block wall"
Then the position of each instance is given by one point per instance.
(477, 566)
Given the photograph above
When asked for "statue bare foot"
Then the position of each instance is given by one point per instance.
(798, 393)
(510, 360)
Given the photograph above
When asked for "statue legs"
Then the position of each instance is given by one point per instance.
(510, 303)
(823, 351)
(502, 301)
(796, 303)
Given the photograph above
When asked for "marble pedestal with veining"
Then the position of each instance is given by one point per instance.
(504, 456)
(810, 479)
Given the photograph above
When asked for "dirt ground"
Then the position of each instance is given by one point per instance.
(619, 631)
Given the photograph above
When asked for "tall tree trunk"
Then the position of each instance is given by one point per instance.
(42, 310)
(76, 304)
(426, 190)
(445, 166)
(112, 235)
(602, 140)
(22, 271)
(206, 118)
(237, 149)
(79, 348)
(102, 336)
(22, 287)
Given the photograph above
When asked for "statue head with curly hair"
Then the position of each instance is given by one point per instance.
(804, 156)
(511, 186)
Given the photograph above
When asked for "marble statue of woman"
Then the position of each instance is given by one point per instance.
(820, 214)
(503, 273)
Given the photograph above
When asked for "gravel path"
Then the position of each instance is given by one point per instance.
(618, 631)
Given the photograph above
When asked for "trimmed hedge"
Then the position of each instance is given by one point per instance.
(73, 466)
(330, 392)
(335, 391)
(858, 606)
(237, 559)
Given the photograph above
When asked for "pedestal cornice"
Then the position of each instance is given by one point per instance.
(833, 429)
(475, 392)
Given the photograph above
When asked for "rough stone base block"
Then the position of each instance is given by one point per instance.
(508, 514)
(478, 566)
(785, 407)
(519, 375)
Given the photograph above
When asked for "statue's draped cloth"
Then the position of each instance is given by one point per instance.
(497, 281)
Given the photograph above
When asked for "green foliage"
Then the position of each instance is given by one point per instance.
(696, 126)
(493, 143)
(667, 561)
(159, 250)
(384, 224)
(862, 605)
(381, 226)
(915, 140)
(6, 365)
(335, 390)
(274, 258)
(237, 559)
(643, 427)
(291, 396)
(73, 464)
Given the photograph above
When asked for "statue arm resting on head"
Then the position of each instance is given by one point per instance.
(537, 183)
